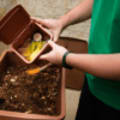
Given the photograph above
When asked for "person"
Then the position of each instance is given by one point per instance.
(100, 98)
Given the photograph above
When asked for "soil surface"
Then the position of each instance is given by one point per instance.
(30, 94)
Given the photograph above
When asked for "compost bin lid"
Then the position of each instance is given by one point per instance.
(13, 23)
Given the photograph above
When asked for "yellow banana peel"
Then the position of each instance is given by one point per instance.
(33, 50)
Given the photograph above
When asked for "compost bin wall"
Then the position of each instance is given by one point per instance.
(74, 78)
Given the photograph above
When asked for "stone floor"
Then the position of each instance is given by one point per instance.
(72, 99)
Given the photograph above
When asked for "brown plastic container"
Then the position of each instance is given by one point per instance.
(74, 78)
(9, 57)
(17, 26)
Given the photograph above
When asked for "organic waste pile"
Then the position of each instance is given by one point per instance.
(32, 46)
(30, 94)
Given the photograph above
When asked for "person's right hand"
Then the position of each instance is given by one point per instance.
(54, 25)
(55, 56)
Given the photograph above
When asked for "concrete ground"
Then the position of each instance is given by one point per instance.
(72, 100)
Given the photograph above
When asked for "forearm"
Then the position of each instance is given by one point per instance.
(81, 12)
(105, 66)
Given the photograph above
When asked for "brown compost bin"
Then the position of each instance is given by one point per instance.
(16, 27)
(10, 58)
(74, 78)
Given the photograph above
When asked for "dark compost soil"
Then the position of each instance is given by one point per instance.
(30, 94)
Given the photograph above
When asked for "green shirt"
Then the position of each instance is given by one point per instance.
(105, 39)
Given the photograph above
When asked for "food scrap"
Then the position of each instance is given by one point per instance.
(32, 46)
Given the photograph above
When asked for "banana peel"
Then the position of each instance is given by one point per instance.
(33, 50)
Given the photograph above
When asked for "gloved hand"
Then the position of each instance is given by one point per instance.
(54, 25)
(55, 55)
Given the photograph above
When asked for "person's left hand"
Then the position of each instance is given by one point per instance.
(55, 55)
(54, 25)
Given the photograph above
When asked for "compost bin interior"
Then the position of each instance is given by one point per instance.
(10, 59)
(28, 33)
